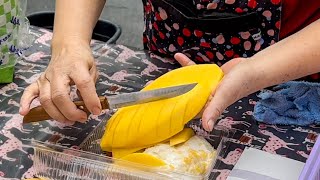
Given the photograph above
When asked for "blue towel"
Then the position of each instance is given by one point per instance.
(291, 103)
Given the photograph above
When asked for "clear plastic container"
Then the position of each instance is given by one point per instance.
(57, 162)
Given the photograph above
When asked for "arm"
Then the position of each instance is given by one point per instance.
(292, 58)
(71, 63)
(75, 19)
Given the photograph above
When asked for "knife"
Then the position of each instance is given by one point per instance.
(117, 101)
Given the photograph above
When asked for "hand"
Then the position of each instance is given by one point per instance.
(70, 64)
(235, 84)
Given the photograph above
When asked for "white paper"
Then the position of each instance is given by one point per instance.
(255, 164)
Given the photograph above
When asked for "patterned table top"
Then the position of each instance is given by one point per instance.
(124, 69)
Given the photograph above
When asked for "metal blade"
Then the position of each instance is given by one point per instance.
(128, 99)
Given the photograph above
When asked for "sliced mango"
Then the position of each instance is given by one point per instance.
(145, 159)
(118, 153)
(144, 125)
(181, 137)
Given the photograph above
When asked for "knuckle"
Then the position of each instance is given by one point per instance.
(43, 77)
(212, 112)
(28, 90)
(84, 83)
(45, 100)
(58, 95)
(56, 73)
(217, 112)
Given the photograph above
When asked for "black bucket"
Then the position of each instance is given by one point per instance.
(104, 30)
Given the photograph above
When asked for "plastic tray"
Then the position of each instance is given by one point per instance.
(311, 170)
(57, 162)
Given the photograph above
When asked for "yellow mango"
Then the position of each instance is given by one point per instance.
(181, 137)
(145, 159)
(144, 125)
(118, 153)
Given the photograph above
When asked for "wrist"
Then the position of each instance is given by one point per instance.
(260, 74)
(70, 42)
(253, 76)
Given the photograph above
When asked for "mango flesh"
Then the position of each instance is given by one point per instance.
(181, 137)
(118, 153)
(141, 126)
(145, 159)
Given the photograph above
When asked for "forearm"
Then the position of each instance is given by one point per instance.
(292, 58)
(75, 19)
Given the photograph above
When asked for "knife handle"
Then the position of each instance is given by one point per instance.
(39, 113)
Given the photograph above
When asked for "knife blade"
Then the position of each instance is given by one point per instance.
(117, 101)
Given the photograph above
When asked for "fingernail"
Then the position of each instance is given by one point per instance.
(96, 111)
(210, 124)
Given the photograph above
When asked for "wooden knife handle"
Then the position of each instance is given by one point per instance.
(39, 113)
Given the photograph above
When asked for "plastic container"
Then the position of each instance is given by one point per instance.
(104, 30)
(311, 170)
(57, 162)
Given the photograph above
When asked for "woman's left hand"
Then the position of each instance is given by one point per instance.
(234, 85)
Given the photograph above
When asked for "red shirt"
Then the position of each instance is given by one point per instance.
(298, 14)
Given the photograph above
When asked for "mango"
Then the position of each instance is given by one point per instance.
(145, 159)
(141, 126)
(118, 153)
(181, 137)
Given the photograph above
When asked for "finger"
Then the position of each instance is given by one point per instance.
(86, 85)
(211, 113)
(60, 89)
(183, 60)
(94, 73)
(205, 106)
(47, 104)
(221, 99)
(29, 94)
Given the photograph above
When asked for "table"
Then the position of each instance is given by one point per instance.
(124, 69)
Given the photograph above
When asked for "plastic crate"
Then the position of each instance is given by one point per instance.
(311, 170)
(104, 30)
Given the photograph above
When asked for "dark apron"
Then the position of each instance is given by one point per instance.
(229, 29)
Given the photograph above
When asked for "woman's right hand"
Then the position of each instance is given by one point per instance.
(71, 63)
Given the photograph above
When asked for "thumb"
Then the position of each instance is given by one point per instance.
(29, 94)
(222, 98)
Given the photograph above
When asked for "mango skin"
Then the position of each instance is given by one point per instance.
(141, 126)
